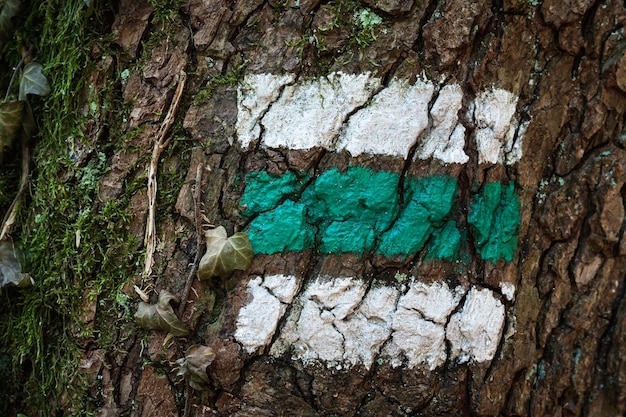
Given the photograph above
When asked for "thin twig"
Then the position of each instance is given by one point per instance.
(11, 214)
(17, 68)
(197, 199)
(159, 146)
(188, 393)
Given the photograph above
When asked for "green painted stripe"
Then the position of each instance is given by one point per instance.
(429, 201)
(494, 217)
(359, 210)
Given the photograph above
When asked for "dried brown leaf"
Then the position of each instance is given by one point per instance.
(10, 122)
(193, 366)
(161, 315)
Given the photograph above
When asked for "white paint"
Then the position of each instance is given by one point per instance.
(474, 331)
(433, 301)
(446, 140)
(508, 290)
(312, 113)
(340, 323)
(513, 151)
(312, 332)
(366, 331)
(416, 341)
(258, 319)
(400, 108)
(418, 324)
(282, 287)
(347, 112)
(495, 125)
(254, 97)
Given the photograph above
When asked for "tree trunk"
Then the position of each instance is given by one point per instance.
(434, 192)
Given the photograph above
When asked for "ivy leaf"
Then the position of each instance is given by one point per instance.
(33, 81)
(11, 267)
(10, 122)
(10, 9)
(193, 366)
(161, 315)
(224, 254)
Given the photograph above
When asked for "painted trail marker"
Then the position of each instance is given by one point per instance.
(355, 113)
(359, 211)
(340, 321)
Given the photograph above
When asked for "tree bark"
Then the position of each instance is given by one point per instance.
(523, 315)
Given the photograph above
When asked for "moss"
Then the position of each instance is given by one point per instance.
(358, 26)
(230, 78)
(80, 250)
(166, 12)
(171, 172)
(9, 181)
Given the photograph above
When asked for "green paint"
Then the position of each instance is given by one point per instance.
(347, 236)
(352, 208)
(359, 211)
(446, 243)
(284, 228)
(436, 193)
(346, 211)
(494, 217)
(265, 192)
(409, 234)
(429, 202)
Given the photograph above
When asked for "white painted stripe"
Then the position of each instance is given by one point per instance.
(419, 324)
(508, 290)
(312, 113)
(255, 95)
(474, 332)
(352, 112)
(496, 127)
(400, 108)
(258, 319)
(446, 140)
(339, 323)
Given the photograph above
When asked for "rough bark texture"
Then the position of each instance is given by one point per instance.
(561, 350)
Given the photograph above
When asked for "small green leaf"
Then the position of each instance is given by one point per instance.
(161, 315)
(11, 267)
(193, 366)
(224, 254)
(10, 122)
(33, 81)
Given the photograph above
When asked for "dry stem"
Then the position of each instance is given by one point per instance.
(197, 198)
(159, 145)
(11, 214)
